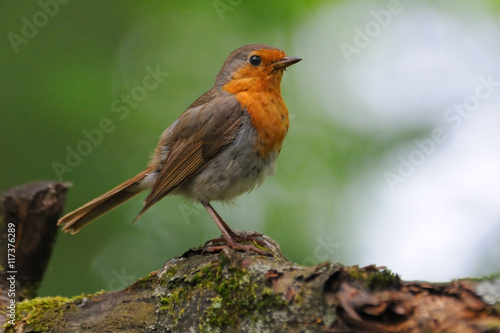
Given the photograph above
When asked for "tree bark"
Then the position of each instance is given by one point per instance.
(230, 291)
(28, 229)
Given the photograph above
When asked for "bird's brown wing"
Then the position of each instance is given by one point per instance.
(200, 134)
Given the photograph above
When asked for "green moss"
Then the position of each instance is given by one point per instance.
(237, 297)
(198, 278)
(374, 279)
(178, 293)
(494, 276)
(147, 282)
(168, 275)
(43, 312)
(382, 279)
(171, 303)
(29, 291)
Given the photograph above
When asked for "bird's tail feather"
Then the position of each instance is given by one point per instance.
(84, 215)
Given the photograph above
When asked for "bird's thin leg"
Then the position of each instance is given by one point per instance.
(228, 234)
(234, 235)
(219, 221)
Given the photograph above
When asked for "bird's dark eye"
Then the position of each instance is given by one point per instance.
(255, 60)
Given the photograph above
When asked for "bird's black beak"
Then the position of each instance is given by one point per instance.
(286, 61)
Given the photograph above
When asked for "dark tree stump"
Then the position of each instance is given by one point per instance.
(28, 221)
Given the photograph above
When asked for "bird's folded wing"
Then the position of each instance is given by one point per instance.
(200, 134)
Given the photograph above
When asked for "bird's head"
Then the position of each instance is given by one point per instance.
(254, 67)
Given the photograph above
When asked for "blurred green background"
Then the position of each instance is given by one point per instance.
(376, 76)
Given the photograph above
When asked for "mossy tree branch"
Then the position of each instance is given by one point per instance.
(229, 291)
(232, 291)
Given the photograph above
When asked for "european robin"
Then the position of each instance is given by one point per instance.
(223, 145)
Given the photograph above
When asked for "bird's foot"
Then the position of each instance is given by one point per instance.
(237, 242)
(237, 247)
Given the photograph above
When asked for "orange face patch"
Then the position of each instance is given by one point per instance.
(258, 78)
(257, 89)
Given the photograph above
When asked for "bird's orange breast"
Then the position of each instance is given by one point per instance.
(261, 98)
(269, 117)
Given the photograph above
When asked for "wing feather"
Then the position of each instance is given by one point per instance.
(201, 133)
